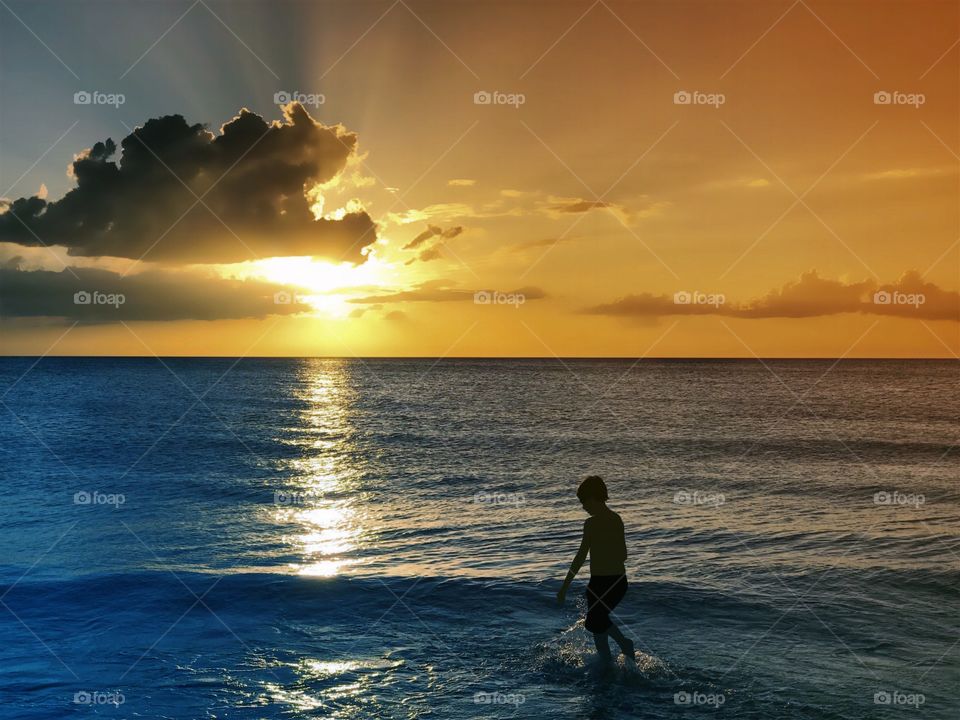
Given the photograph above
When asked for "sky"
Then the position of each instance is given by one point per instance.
(445, 179)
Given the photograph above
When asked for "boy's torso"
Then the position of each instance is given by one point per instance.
(608, 548)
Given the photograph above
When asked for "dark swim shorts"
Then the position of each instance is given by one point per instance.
(604, 593)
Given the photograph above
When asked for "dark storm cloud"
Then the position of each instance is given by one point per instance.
(99, 296)
(810, 296)
(251, 177)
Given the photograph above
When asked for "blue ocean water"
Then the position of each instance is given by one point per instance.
(285, 538)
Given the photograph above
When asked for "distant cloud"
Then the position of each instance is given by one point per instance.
(438, 212)
(461, 182)
(810, 296)
(580, 206)
(435, 251)
(252, 177)
(433, 231)
(521, 247)
(558, 207)
(911, 173)
(150, 295)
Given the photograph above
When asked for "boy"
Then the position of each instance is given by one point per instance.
(603, 539)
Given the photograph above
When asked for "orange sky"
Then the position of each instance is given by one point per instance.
(797, 211)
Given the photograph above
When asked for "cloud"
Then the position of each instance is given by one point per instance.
(461, 182)
(434, 252)
(150, 295)
(540, 242)
(440, 290)
(910, 173)
(557, 207)
(810, 296)
(252, 179)
(580, 206)
(433, 231)
(438, 212)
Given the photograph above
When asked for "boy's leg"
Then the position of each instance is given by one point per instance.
(625, 645)
(603, 647)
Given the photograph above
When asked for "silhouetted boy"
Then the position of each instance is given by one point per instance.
(603, 539)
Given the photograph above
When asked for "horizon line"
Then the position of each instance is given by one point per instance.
(439, 358)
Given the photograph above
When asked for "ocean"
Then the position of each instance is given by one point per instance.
(288, 538)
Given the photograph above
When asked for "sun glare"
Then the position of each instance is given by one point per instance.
(324, 286)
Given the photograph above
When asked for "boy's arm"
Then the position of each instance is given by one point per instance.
(575, 566)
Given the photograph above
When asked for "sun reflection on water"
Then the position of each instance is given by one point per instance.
(323, 518)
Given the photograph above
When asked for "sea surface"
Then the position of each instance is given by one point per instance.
(290, 538)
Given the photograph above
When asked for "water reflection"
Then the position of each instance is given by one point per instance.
(322, 514)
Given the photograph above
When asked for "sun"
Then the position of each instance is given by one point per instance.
(319, 276)
(323, 285)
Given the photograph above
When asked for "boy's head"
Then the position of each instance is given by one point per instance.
(592, 493)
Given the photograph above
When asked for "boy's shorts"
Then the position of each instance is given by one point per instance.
(604, 593)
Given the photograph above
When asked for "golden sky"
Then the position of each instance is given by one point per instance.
(703, 179)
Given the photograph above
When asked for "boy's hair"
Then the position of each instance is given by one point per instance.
(593, 488)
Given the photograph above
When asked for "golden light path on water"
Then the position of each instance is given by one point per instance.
(321, 509)
(323, 525)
